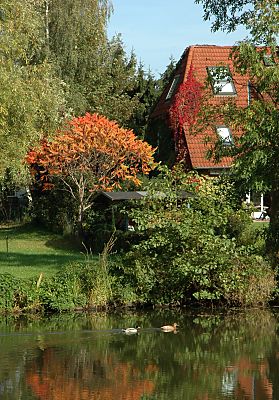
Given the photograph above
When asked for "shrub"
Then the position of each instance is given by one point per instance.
(54, 209)
(251, 282)
(18, 294)
(194, 249)
(8, 287)
(62, 292)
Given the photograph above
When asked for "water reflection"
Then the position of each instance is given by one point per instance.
(232, 355)
(50, 377)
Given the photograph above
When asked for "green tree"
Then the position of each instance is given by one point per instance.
(147, 90)
(99, 75)
(114, 95)
(75, 35)
(166, 75)
(259, 17)
(75, 30)
(257, 150)
(31, 95)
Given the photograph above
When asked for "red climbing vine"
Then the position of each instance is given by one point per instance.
(184, 111)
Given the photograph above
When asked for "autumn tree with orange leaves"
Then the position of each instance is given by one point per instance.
(90, 154)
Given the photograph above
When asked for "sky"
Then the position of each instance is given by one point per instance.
(160, 29)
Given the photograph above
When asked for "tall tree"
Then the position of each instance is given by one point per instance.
(76, 30)
(166, 75)
(256, 150)
(75, 34)
(31, 96)
(113, 89)
(146, 90)
(99, 76)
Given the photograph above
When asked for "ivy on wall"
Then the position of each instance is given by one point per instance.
(184, 111)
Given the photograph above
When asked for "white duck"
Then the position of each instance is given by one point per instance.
(131, 330)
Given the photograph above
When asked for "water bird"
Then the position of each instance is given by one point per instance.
(131, 330)
(169, 328)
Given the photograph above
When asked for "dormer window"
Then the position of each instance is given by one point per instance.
(221, 80)
(173, 87)
(225, 135)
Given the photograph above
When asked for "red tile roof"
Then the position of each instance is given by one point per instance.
(198, 149)
(201, 57)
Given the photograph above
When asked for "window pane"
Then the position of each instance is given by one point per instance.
(225, 134)
(173, 87)
(224, 87)
(268, 60)
(221, 80)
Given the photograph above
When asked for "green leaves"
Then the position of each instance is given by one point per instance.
(31, 96)
(259, 17)
(193, 249)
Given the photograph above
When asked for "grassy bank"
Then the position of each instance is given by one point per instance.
(42, 271)
(27, 250)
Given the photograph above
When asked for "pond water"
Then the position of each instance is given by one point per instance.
(214, 355)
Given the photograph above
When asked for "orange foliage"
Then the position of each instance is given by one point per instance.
(95, 148)
(117, 381)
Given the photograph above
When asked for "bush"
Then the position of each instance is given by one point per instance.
(18, 294)
(8, 286)
(62, 292)
(251, 282)
(53, 209)
(194, 250)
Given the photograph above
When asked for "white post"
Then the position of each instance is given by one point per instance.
(262, 202)
(248, 197)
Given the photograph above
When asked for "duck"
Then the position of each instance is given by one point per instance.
(169, 328)
(131, 330)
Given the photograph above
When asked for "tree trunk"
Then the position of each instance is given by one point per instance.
(79, 231)
(47, 22)
(273, 237)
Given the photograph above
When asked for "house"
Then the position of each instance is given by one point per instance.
(214, 70)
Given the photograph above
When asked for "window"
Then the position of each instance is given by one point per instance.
(173, 87)
(225, 135)
(268, 60)
(221, 80)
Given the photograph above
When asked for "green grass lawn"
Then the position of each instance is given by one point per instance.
(26, 251)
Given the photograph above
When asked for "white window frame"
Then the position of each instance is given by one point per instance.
(224, 133)
(173, 87)
(221, 80)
